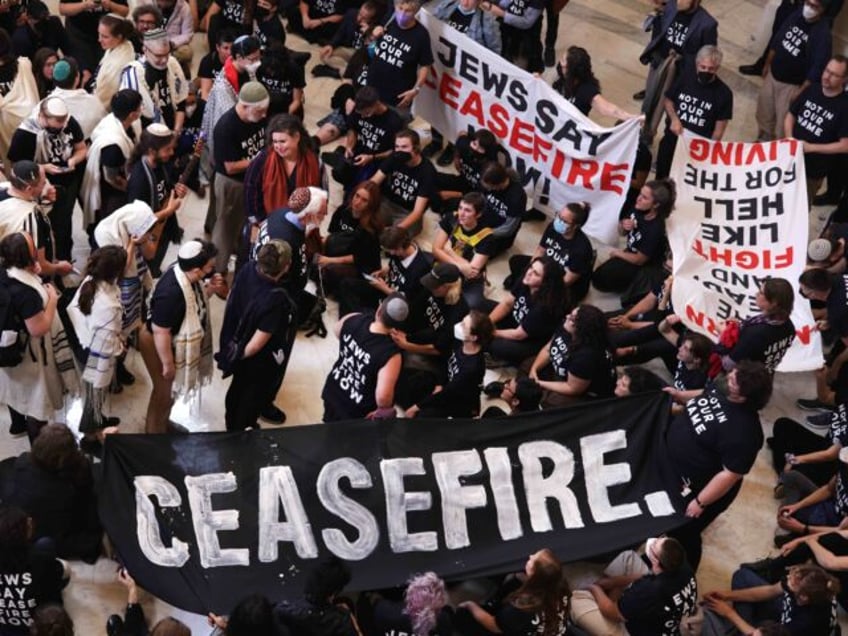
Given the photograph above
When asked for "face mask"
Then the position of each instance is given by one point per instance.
(52, 130)
(459, 332)
(705, 77)
(372, 50)
(650, 547)
(465, 11)
(261, 13)
(189, 110)
(403, 20)
(401, 156)
(560, 225)
(253, 67)
(809, 13)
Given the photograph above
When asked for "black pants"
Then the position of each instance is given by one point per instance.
(665, 154)
(32, 425)
(792, 437)
(649, 343)
(524, 43)
(253, 387)
(62, 215)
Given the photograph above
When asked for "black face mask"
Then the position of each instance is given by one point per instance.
(402, 157)
(261, 13)
(52, 131)
(705, 77)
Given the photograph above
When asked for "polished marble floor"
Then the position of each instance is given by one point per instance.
(611, 32)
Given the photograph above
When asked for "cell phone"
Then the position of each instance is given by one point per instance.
(368, 277)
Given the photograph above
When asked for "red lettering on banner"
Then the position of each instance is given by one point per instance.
(702, 320)
(737, 153)
(613, 172)
(539, 146)
(473, 107)
(517, 138)
(803, 334)
(744, 259)
(449, 88)
(498, 122)
(583, 169)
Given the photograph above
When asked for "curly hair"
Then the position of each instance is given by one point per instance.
(590, 327)
(424, 598)
(51, 620)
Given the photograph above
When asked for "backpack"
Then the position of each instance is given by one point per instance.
(12, 343)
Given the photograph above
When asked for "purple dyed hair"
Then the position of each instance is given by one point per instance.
(424, 598)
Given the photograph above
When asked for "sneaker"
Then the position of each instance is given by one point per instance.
(325, 70)
(124, 376)
(751, 69)
(273, 415)
(446, 158)
(115, 625)
(534, 215)
(813, 405)
(820, 420)
(550, 57)
(18, 430)
(639, 96)
(764, 568)
(779, 490)
(493, 389)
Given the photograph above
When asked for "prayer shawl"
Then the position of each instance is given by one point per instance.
(17, 215)
(42, 141)
(133, 76)
(131, 220)
(275, 191)
(222, 97)
(193, 343)
(108, 74)
(86, 108)
(109, 131)
(17, 103)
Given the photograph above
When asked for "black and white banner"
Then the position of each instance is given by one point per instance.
(562, 155)
(202, 520)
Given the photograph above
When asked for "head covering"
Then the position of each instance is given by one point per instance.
(61, 71)
(54, 107)
(141, 218)
(26, 171)
(159, 130)
(394, 310)
(253, 93)
(307, 200)
(156, 37)
(192, 255)
(819, 250)
(441, 274)
(274, 257)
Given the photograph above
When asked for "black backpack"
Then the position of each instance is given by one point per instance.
(12, 342)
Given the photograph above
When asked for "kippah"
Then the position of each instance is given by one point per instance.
(26, 170)
(819, 250)
(61, 71)
(317, 197)
(299, 199)
(154, 35)
(55, 107)
(396, 308)
(253, 93)
(159, 130)
(190, 250)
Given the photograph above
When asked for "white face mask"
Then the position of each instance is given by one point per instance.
(459, 332)
(253, 67)
(808, 12)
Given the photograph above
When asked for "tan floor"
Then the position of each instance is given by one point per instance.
(610, 30)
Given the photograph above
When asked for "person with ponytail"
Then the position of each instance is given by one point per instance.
(96, 313)
(114, 34)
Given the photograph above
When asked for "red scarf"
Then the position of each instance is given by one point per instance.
(231, 74)
(275, 191)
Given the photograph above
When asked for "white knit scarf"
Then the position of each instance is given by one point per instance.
(192, 344)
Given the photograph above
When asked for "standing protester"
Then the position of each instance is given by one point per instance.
(698, 102)
(260, 321)
(213, 62)
(578, 84)
(82, 21)
(53, 139)
(114, 35)
(239, 137)
(18, 91)
(521, 31)
(362, 380)
(819, 119)
(40, 30)
(176, 342)
(87, 109)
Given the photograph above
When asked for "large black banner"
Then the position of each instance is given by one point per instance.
(202, 520)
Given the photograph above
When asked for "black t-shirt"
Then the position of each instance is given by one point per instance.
(281, 78)
(210, 66)
(580, 95)
(806, 620)
(25, 301)
(87, 21)
(700, 106)
(574, 255)
(365, 246)
(460, 394)
(168, 306)
(150, 185)
(501, 205)
(59, 147)
(712, 434)
(459, 20)
(431, 321)
(687, 379)
(269, 31)
(324, 8)
(837, 306)
(407, 278)
(283, 224)
(348, 34)
(763, 342)
(513, 621)
(520, 7)
(375, 134)
(397, 56)
(647, 237)
(390, 620)
(236, 140)
(157, 80)
(8, 73)
(655, 604)
(404, 184)
(461, 239)
(37, 582)
(801, 50)
(676, 33)
(838, 432)
(820, 120)
(536, 319)
(584, 361)
(471, 163)
(351, 383)
(232, 11)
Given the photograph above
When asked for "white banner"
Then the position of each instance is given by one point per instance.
(741, 217)
(563, 154)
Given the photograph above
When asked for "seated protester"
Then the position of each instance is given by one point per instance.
(318, 613)
(38, 30)
(352, 247)
(54, 485)
(316, 22)
(179, 23)
(646, 595)
(522, 395)
(284, 79)
(466, 242)
(361, 383)
(370, 140)
(225, 15)
(474, 152)
(828, 252)
(51, 620)
(269, 29)
(457, 392)
(212, 63)
(406, 265)
(145, 17)
(425, 609)
(350, 35)
(252, 616)
(408, 182)
(526, 316)
(577, 84)
(576, 361)
(564, 241)
(29, 572)
(804, 602)
(693, 360)
(543, 599)
(67, 86)
(132, 623)
(634, 380)
(635, 269)
(521, 31)
(506, 203)
(42, 69)
(767, 336)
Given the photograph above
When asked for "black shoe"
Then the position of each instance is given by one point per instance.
(325, 70)
(639, 96)
(299, 58)
(820, 420)
(431, 149)
(535, 215)
(273, 415)
(826, 199)
(111, 420)
(781, 540)
(813, 405)
(124, 376)
(493, 389)
(177, 429)
(764, 568)
(18, 430)
(176, 239)
(751, 69)
(446, 158)
(550, 57)
(115, 625)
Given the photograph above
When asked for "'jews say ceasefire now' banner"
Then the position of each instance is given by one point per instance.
(202, 520)
(563, 154)
(741, 217)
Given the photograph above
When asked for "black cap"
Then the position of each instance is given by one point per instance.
(441, 274)
(26, 171)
